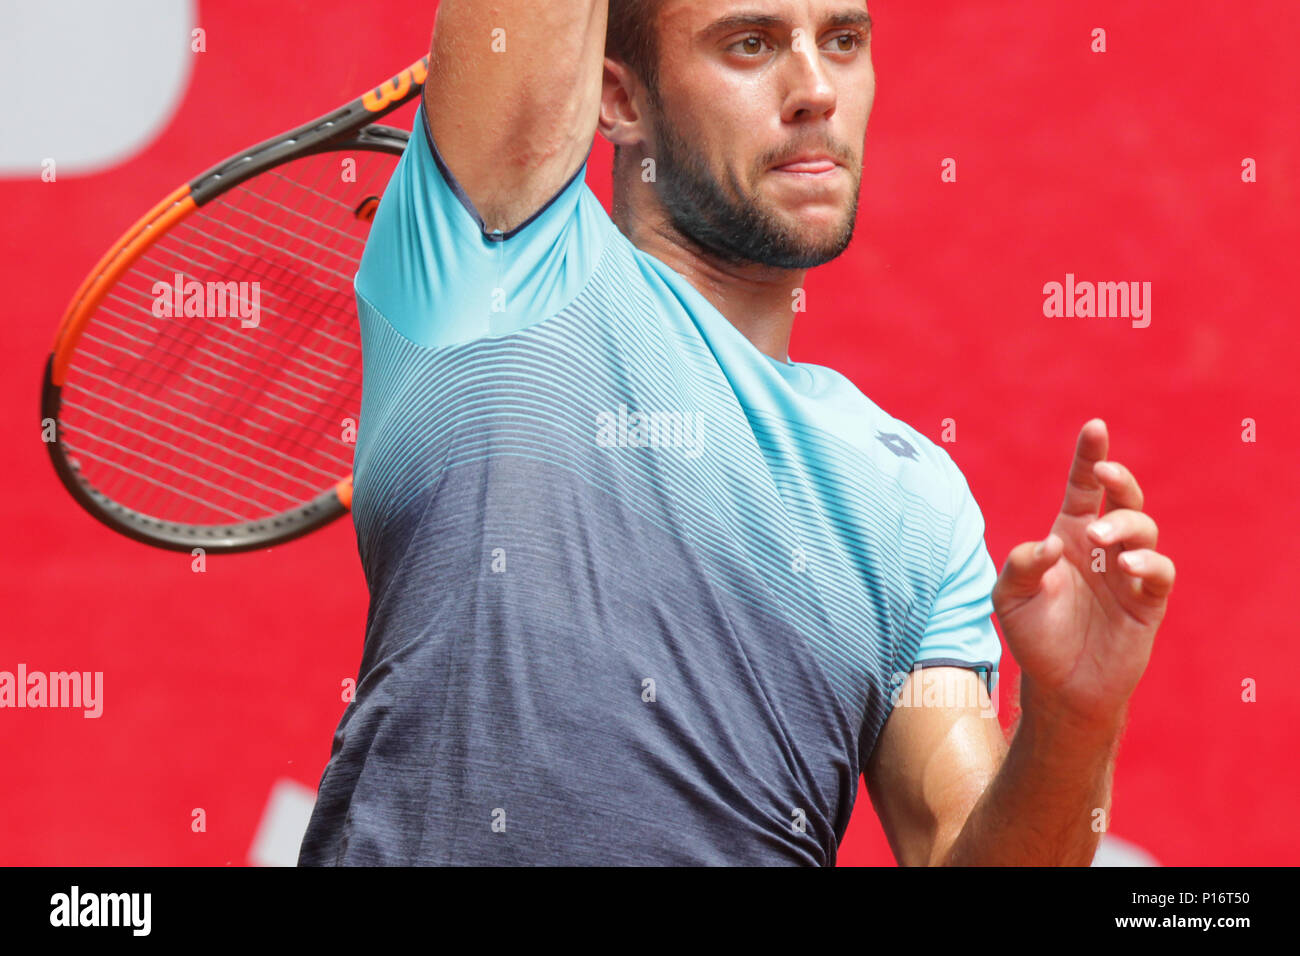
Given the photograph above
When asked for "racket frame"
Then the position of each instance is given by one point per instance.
(350, 127)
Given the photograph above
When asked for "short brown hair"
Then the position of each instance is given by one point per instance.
(633, 39)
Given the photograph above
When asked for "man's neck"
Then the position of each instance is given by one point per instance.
(758, 300)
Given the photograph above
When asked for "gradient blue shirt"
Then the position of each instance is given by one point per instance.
(639, 593)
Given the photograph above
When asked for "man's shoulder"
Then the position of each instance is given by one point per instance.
(918, 463)
(434, 271)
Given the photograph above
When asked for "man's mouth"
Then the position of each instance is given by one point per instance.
(810, 165)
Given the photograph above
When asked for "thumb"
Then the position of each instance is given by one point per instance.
(1026, 565)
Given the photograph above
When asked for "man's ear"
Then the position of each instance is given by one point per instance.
(621, 119)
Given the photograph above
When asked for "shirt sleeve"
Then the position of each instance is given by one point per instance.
(960, 632)
(440, 277)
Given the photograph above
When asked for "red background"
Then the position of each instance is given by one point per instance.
(1117, 166)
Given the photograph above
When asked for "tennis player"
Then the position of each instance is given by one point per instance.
(643, 590)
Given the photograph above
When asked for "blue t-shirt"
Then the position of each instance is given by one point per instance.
(639, 593)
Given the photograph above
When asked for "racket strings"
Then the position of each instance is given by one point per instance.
(284, 310)
(308, 219)
(217, 418)
(233, 361)
(220, 452)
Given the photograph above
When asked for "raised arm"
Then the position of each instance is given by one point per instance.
(512, 98)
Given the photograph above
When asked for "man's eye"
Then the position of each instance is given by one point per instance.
(749, 45)
(852, 44)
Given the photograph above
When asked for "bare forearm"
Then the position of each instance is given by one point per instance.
(1050, 800)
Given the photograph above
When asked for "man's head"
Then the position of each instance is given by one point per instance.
(723, 96)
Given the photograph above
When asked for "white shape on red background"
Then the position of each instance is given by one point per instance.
(89, 83)
(1113, 851)
(284, 821)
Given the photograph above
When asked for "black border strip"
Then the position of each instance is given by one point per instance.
(986, 668)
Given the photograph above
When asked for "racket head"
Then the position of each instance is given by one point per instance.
(205, 383)
(230, 429)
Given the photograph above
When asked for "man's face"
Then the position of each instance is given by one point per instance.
(739, 100)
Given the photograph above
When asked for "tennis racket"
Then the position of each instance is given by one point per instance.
(205, 383)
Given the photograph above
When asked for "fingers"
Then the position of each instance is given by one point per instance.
(1122, 489)
(1026, 564)
(1151, 571)
(1124, 527)
(1084, 490)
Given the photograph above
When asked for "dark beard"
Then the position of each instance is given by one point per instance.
(732, 229)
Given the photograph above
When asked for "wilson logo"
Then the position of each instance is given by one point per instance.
(396, 88)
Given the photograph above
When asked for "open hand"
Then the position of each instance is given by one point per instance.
(1080, 609)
